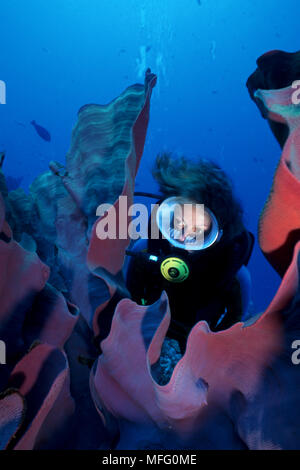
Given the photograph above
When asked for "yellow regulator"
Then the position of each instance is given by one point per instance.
(174, 269)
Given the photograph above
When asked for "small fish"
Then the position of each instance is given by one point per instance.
(199, 2)
(42, 132)
(148, 48)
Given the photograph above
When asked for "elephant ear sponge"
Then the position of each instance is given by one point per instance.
(279, 225)
(12, 410)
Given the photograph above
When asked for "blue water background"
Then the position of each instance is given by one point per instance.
(58, 55)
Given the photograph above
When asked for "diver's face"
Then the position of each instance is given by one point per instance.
(191, 221)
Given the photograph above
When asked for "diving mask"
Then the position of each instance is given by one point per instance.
(187, 225)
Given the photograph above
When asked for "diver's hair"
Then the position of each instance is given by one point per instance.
(203, 182)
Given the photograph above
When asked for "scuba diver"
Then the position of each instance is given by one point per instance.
(199, 258)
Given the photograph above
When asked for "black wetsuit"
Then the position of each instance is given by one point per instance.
(210, 290)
